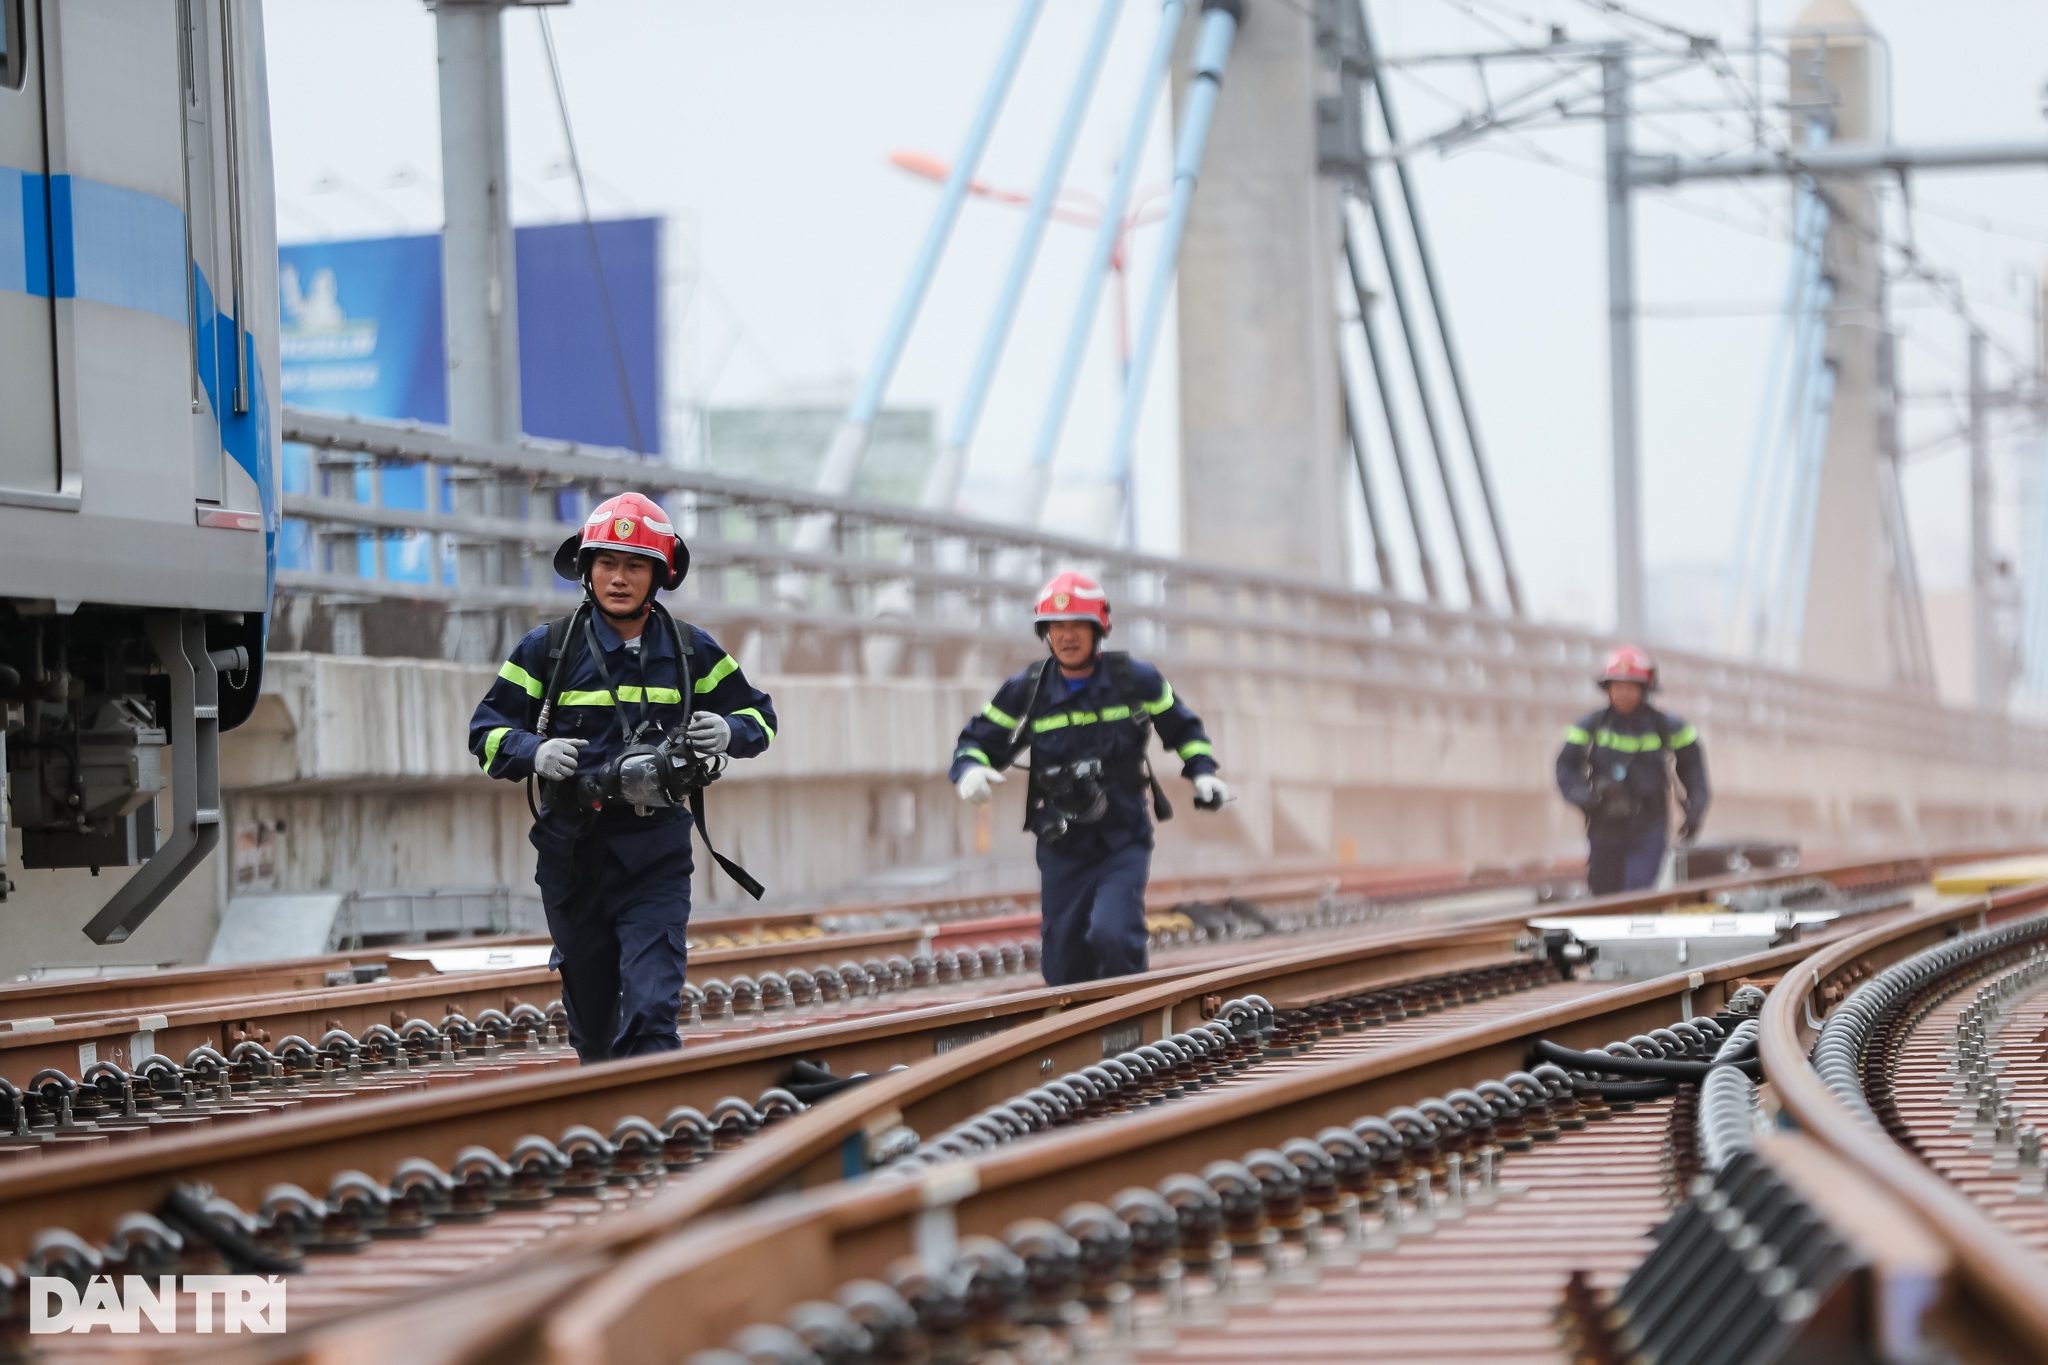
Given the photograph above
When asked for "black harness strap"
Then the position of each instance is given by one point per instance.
(1017, 732)
(741, 877)
(1118, 662)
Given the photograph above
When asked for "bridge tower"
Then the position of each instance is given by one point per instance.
(1263, 464)
(1847, 632)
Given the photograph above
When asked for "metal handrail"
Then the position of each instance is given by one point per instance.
(920, 581)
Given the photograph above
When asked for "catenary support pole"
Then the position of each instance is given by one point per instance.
(1108, 237)
(1453, 365)
(1425, 560)
(850, 441)
(1220, 19)
(942, 485)
(1987, 670)
(479, 291)
(1630, 611)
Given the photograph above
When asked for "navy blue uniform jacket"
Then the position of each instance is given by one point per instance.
(1093, 721)
(501, 733)
(1635, 745)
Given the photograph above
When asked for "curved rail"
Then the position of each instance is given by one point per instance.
(2005, 1279)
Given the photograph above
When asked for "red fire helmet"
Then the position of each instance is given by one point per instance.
(1629, 663)
(630, 523)
(1072, 597)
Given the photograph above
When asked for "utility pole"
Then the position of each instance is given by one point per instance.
(1630, 613)
(480, 293)
(1987, 658)
(479, 297)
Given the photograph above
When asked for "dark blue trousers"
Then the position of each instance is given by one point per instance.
(618, 907)
(1623, 857)
(1092, 914)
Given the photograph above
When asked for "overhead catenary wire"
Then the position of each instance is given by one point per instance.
(604, 293)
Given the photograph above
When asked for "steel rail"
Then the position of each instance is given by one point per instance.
(827, 1237)
(174, 1029)
(950, 917)
(175, 1012)
(90, 1193)
(801, 1151)
(250, 1156)
(2001, 1277)
(125, 1038)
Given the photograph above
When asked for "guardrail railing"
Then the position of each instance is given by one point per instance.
(807, 582)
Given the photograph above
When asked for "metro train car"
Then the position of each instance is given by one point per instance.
(139, 438)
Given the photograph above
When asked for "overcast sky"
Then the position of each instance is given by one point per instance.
(761, 132)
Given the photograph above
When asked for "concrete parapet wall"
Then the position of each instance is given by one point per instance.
(354, 773)
(364, 762)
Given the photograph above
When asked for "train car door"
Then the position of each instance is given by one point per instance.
(29, 461)
(202, 51)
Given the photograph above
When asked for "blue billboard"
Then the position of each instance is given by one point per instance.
(362, 335)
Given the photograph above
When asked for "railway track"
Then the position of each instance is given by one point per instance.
(293, 1018)
(1442, 1172)
(441, 1192)
(630, 1169)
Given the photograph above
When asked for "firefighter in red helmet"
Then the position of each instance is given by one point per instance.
(1616, 766)
(1088, 715)
(622, 714)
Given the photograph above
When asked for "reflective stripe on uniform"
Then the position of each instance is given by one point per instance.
(660, 696)
(1194, 748)
(1165, 701)
(513, 673)
(1627, 744)
(1574, 735)
(1684, 736)
(1002, 718)
(1053, 722)
(759, 720)
(492, 741)
(977, 755)
(1116, 713)
(720, 671)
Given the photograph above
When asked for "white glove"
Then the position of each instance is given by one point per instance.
(977, 785)
(1210, 792)
(555, 759)
(710, 733)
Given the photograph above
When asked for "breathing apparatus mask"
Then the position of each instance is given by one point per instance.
(650, 776)
(1073, 793)
(1611, 799)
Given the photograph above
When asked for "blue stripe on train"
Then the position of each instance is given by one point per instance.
(78, 238)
